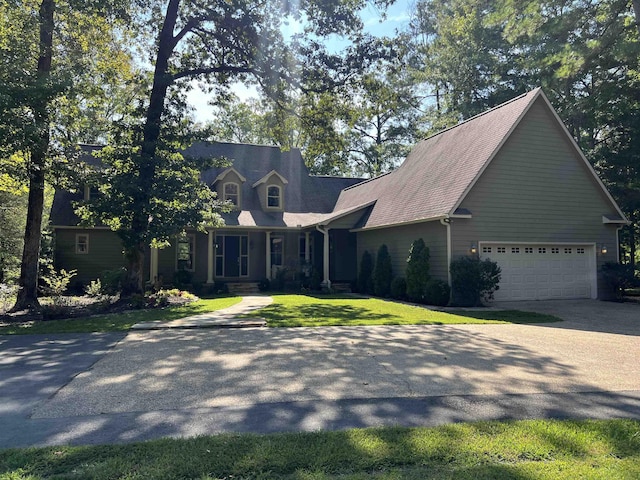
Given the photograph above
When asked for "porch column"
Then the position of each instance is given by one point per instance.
(325, 256)
(307, 248)
(153, 266)
(210, 255)
(268, 259)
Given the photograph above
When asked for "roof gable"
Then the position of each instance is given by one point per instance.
(227, 172)
(441, 170)
(266, 178)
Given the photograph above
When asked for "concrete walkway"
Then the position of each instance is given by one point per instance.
(224, 318)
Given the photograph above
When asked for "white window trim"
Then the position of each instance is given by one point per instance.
(271, 239)
(78, 235)
(280, 200)
(224, 192)
(192, 238)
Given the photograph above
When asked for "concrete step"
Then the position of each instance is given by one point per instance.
(341, 287)
(244, 288)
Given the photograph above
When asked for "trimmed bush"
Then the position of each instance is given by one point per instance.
(437, 293)
(473, 280)
(264, 284)
(398, 288)
(617, 277)
(111, 281)
(365, 278)
(382, 273)
(417, 271)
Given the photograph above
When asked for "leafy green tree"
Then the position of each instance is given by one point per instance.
(382, 273)
(47, 48)
(417, 270)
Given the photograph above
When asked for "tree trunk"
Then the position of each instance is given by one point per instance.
(28, 293)
(151, 134)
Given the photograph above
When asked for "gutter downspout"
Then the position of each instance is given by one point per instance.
(447, 223)
(325, 255)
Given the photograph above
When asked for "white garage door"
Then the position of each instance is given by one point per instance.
(542, 272)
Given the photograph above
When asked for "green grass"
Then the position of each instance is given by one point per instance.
(534, 449)
(117, 322)
(327, 310)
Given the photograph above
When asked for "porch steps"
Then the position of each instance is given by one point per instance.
(341, 287)
(244, 288)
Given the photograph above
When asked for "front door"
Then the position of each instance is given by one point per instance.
(231, 256)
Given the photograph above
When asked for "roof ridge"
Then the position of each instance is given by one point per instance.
(370, 180)
(481, 114)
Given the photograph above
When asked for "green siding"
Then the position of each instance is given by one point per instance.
(105, 253)
(399, 240)
(536, 189)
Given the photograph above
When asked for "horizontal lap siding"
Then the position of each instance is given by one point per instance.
(399, 239)
(536, 189)
(105, 253)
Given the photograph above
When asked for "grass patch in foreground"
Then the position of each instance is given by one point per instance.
(330, 310)
(118, 322)
(540, 449)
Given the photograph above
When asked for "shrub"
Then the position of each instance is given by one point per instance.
(617, 277)
(316, 280)
(473, 280)
(437, 293)
(111, 281)
(264, 284)
(398, 288)
(417, 271)
(365, 278)
(57, 284)
(278, 282)
(94, 289)
(182, 278)
(382, 273)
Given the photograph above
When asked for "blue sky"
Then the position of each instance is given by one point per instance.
(397, 17)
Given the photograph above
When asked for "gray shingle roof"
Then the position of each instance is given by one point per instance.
(306, 197)
(439, 170)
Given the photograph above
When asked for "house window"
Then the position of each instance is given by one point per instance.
(542, 250)
(579, 250)
(91, 192)
(568, 250)
(277, 250)
(232, 193)
(82, 243)
(515, 249)
(486, 249)
(528, 250)
(555, 250)
(186, 249)
(502, 250)
(273, 196)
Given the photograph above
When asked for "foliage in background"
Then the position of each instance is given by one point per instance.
(382, 273)
(473, 280)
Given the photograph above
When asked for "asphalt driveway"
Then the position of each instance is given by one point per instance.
(189, 382)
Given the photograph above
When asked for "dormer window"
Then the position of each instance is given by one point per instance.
(274, 194)
(232, 193)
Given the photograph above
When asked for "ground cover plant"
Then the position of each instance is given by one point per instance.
(121, 321)
(327, 310)
(540, 449)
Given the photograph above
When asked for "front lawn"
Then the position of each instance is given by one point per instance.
(330, 310)
(117, 322)
(540, 449)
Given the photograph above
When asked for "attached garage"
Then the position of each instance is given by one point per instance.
(534, 271)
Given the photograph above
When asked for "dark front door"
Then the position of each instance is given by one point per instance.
(231, 256)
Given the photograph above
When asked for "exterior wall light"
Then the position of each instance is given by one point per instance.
(474, 249)
(603, 250)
